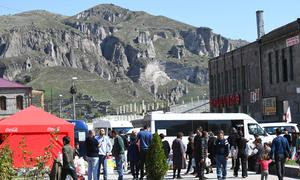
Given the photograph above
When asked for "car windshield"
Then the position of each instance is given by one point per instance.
(271, 129)
(255, 129)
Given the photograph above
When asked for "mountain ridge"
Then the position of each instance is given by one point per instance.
(114, 43)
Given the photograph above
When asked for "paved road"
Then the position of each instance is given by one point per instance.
(213, 176)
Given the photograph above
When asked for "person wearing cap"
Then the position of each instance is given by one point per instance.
(281, 151)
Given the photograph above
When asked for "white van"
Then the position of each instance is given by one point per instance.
(171, 123)
(270, 128)
(109, 125)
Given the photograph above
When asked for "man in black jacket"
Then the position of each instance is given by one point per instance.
(232, 140)
(242, 155)
(200, 153)
(92, 150)
(222, 152)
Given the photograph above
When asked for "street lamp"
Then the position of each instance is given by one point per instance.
(73, 91)
(60, 98)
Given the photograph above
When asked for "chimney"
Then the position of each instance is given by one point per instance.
(260, 23)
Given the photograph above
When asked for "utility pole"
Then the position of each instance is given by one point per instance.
(73, 91)
(60, 98)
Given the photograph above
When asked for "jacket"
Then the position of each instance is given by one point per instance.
(281, 146)
(118, 147)
(68, 156)
(222, 147)
(200, 147)
(91, 145)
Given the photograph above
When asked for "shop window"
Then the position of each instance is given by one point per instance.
(2, 103)
(19, 102)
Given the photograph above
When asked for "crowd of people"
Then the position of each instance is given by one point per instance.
(203, 152)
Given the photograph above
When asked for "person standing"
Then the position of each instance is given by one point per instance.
(211, 150)
(189, 153)
(264, 166)
(105, 147)
(133, 157)
(118, 153)
(258, 156)
(293, 147)
(200, 153)
(288, 137)
(126, 145)
(166, 145)
(297, 145)
(178, 156)
(68, 167)
(92, 157)
(232, 140)
(281, 150)
(145, 139)
(242, 155)
(221, 153)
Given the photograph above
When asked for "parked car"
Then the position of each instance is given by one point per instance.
(270, 128)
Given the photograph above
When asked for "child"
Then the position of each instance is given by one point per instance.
(264, 164)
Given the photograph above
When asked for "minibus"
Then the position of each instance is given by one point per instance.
(171, 123)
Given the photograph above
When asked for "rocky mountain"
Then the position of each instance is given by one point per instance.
(116, 44)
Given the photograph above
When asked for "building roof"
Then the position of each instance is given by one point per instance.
(10, 84)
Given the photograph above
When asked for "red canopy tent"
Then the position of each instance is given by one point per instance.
(30, 131)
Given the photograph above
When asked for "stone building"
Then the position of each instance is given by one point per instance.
(262, 78)
(13, 97)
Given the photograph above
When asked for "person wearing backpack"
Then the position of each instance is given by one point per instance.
(242, 155)
(281, 151)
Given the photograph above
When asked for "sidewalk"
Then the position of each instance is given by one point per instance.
(213, 176)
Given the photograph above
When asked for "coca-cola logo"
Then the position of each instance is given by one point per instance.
(53, 129)
(14, 129)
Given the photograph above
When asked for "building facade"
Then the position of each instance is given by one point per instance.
(261, 79)
(13, 97)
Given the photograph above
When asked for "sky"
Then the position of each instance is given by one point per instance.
(233, 19)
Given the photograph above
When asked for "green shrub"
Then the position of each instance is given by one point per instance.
(156, 161)
(6, 163)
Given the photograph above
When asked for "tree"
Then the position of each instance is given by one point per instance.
(6, 163)
(156, 161)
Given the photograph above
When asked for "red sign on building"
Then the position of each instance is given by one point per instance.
(225, 101)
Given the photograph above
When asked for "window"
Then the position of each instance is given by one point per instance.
(277, 65)
(291, 63)
(255, 129)
(284, 66)
(230, 81)
(238, 75)
(19, 102)
(272, 129)
(2, 103)
(234, 80)
(211, 84)
(173, 127)
(218, 84)
(243, 77)
(226, 82)
(270, 68)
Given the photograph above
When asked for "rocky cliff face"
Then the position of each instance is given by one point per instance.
(113, 42)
